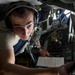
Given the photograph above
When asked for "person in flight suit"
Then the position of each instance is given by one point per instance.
(19, 24)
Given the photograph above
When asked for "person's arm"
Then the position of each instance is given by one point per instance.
(41, 51)
(8, 66)
(36, 40)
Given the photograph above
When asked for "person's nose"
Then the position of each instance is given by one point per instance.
(25, 31)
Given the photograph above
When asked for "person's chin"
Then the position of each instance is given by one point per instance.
(24, 38)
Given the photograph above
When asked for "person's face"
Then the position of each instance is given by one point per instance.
(23, 27)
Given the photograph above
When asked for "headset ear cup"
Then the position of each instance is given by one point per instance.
(36, 20)
(37, 17)
(8, 23)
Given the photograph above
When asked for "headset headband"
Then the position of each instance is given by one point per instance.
(13, 5)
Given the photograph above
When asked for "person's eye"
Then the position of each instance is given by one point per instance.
(29, 26)
(18, 28)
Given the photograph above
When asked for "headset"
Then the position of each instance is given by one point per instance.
(14, 5)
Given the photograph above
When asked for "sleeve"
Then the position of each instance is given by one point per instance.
(7, 40)
(35, 40)
(37, 34)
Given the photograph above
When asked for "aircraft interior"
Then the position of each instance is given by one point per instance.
(57, 33)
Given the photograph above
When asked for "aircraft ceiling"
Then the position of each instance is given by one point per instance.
(66, 4)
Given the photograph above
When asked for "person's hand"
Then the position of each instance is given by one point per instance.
(44, 53)
(66, 69)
